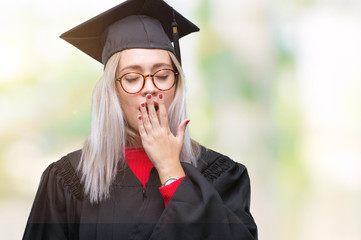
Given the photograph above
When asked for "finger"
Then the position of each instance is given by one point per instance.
(151, 111)
(163, 114)
(142, 131)
(181, 130)
(145, 118)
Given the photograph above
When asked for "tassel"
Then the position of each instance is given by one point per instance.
(176, 39)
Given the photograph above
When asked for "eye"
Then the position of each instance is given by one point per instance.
(163, 75)
(131, 77)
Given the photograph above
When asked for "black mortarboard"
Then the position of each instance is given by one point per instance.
(131, 24)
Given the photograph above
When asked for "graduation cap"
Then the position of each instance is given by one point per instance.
(132, 24)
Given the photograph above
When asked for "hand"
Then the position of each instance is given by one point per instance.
(162, 147)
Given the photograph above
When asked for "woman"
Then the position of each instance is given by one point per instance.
(139, 175)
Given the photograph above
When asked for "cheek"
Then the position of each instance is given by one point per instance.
(168, 99)
(130, 114)
(127, 105)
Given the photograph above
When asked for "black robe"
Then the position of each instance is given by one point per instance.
(211, 202)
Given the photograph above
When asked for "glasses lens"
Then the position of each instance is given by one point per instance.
(164, 79)
(132, 82)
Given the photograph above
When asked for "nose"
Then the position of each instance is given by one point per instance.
(149, 87)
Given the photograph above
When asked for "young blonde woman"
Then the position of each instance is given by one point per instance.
(139, 175)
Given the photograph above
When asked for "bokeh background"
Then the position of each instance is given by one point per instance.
(273, 84)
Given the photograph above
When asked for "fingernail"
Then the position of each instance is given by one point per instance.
(160, 96)
(139, 117)
(142, 104)
(149, 96)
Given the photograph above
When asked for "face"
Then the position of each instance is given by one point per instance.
(144, 61)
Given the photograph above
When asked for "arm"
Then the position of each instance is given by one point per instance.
(217, 208)
(200, 208)
(162, 147)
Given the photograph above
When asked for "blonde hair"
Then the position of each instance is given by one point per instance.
(102, 153)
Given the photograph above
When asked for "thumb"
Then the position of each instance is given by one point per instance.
(182, 129)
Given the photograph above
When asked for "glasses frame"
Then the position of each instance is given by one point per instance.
(176, 74)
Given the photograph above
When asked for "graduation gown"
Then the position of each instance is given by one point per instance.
(211, 202)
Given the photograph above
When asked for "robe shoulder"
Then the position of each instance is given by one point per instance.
(64, 171)
(55, 201)
(213, 164)
(229, 178)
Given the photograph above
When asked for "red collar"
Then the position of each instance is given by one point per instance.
(139, 162)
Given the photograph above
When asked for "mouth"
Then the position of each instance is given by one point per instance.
(156, 107)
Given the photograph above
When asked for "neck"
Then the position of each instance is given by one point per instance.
(133, 139)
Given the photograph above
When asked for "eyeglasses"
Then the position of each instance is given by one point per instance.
(134, 82)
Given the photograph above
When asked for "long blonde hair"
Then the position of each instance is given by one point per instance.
(102, 153)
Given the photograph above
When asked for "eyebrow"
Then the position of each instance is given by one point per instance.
(139, 68)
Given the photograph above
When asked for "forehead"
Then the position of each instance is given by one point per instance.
(143, 58)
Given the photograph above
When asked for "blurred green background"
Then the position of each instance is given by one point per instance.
(272, 84)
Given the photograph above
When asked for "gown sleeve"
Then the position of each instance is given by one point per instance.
(211, 204)
(53, 212)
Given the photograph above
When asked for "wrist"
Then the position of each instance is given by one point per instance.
(169, 181)
(170, 172)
